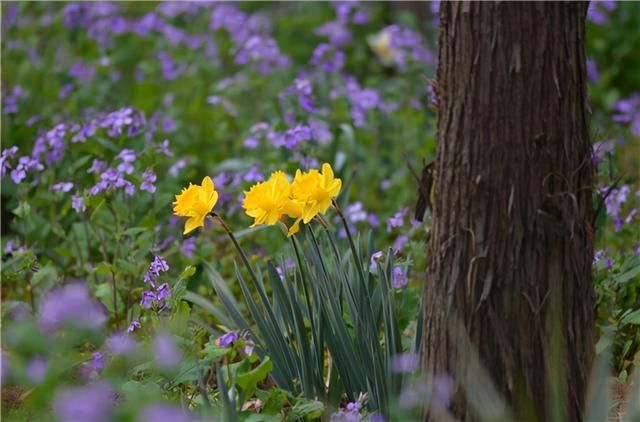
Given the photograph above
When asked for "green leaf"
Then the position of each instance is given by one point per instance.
(249, 380)
(188, 272)
(213, 351)
(632, 318)
(104, 268)
(306, 408)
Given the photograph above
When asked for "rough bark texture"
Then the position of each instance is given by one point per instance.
(512, 242)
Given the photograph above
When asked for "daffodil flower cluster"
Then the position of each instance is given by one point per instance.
(308, 195)
(268, 202)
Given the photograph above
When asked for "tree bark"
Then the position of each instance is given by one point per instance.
(511, 249)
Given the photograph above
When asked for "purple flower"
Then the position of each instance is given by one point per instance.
(179, 165)
(97, 167)
(262, 53)
(83, 71)
(133, 326)
(163, 292)
(149, 178)
(443, 388)
(336, 31)
(592, 70)
(71, 304)
(33, 120)
(188, 247)
(62, 187)
(353, 406)
(405, 362)
(4, 159)
(97, 362)
(167, 354)
(320, 131)
(628, 111)
(355, 213)
(375, 257)
(248, 347)
(253, 174)
(293, 136)
(597, 256)
(251, 143)
(399, 243)
(164, 412)
(37, 369)
(303, 89)
(615, 200)
(91, 403)
(77, 203)
(170, 70)
(25, 164)
(148, 299)
(399, 278)
(329, 59)
(158, 265)
(110, 180)
(127, 157)
(599, 10)
(11, 100)
(65, 91)
(120, 344)
(225, 103)
(227, 339)
(397, 220)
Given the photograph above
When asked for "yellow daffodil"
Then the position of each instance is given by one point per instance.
(195, 202)
(267, 202)
(315, 190)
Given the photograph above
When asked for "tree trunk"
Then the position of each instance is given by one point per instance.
(509, 279)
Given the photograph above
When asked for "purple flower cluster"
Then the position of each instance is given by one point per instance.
(614, 202)
(158, 266)
(249, 33)
(71, 304)
(111, 180)
(628, 111)
(148, 180)
(166, 352)
(351, 413)
(82, 71)
(302, 88)
(400, 280)
(25, 164)
(361, 100)
(11, 100)
(337, 31)
(406, 44)
(599, 10)
(292, 137)
(102, 23)
(327, 58)
(355, 213)
(404, 363)
(62, 187)
(120, 344)
(92, 402)
(157, 296)
(398, 219)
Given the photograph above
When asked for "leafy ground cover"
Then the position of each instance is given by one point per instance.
(111, 311)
